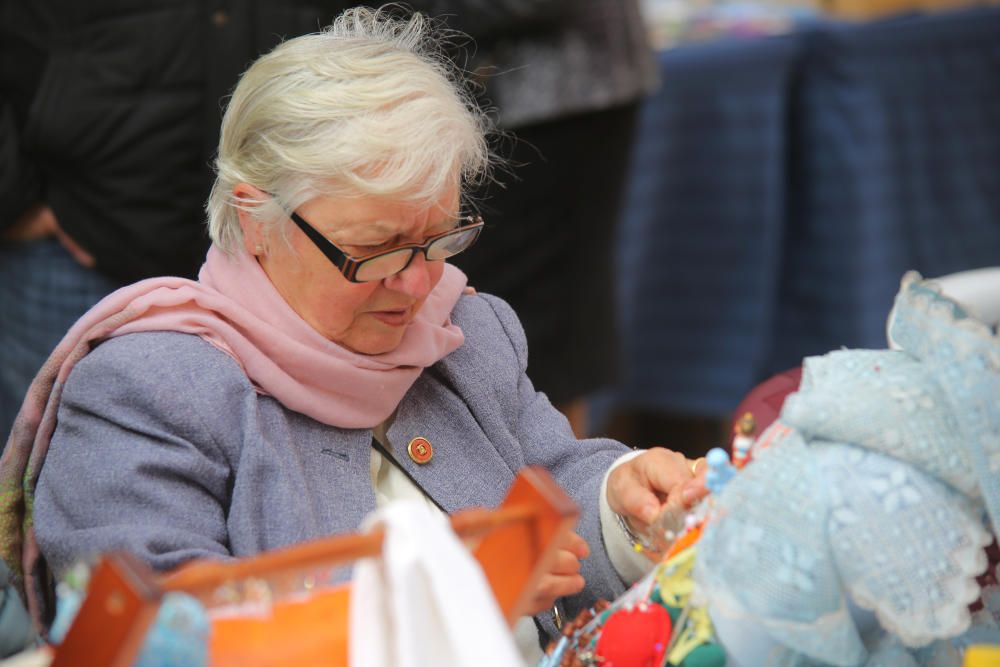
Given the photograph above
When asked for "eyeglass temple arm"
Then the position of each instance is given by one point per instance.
(321, 242)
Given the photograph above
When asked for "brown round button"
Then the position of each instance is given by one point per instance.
(420, 450)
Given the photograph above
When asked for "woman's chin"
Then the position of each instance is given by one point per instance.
(380, 340)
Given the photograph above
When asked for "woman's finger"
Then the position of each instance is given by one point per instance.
(664, 470)
(566, 563)
(577, 546)
(639, 487)
(689, 493)
(552, 587)
(82, 257)
(638, 503)
(628, 495)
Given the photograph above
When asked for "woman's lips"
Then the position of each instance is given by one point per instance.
(393, 318)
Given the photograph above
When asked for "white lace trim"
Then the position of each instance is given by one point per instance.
(941, 308)
(952, 618)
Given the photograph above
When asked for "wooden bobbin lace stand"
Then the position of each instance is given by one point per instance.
(515, 544)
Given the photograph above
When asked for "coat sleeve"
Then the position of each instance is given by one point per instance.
(578, 466)
(132, 464)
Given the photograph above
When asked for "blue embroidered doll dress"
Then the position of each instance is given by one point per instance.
(855, 536)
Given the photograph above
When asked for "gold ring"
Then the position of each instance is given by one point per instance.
(694, 465)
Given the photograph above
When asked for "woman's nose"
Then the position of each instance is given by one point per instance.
(414, 280)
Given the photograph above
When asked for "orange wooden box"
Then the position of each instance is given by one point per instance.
(515, 544)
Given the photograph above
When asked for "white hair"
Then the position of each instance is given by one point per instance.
(370, 106)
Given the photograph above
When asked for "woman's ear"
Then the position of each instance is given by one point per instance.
(254, 237)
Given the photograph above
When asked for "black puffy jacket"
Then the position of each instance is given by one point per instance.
(111, 111)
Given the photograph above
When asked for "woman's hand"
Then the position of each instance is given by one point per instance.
(564, 577)
(639, 488)
(39, 222)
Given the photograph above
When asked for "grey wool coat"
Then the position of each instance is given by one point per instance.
(163, 448)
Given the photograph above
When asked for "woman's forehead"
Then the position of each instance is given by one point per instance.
(374, 217)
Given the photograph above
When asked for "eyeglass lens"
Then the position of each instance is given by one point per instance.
(391, 263)
(383, 266)
(451, 244)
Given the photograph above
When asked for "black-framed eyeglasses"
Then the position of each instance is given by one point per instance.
(385, 263)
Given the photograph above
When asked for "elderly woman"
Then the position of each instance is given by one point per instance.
(328, 359)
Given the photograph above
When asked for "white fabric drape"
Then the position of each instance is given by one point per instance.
(425, 602)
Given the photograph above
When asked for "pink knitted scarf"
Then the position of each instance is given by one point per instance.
(235, 307)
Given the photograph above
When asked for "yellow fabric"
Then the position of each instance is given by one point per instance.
(676, 584)
(982, 656)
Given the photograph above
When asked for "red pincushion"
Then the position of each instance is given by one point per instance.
(636, 637)
(765, 400)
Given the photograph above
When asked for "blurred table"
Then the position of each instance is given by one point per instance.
(782, 186)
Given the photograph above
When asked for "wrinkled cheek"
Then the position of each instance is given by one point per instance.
(436, 271)
(337, 324)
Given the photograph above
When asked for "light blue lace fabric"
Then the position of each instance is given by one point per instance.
(877, 494)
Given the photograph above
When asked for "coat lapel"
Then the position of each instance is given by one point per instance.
(465, 470)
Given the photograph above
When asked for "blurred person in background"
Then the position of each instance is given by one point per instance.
(109, 118)
(566, 78)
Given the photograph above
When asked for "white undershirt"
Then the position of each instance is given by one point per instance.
(390, 483)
